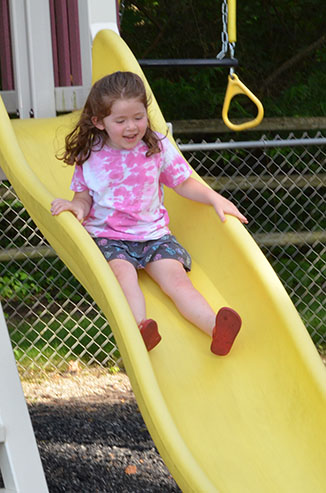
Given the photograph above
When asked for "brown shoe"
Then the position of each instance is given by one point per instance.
(149, 331)
(227, 326)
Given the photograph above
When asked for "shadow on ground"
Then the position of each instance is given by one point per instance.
(98, 447)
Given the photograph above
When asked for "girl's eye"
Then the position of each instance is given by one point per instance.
(120, 121)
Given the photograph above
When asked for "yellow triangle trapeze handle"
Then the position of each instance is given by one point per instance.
(235, 86)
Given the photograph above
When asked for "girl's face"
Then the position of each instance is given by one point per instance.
(126, 124)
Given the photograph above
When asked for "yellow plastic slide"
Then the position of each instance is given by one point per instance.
(251, 422)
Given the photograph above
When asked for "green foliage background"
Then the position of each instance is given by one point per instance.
(281, 48)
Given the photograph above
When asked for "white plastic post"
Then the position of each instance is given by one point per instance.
(40, 58)
(32, 57)
(85, 48)
(18, 28)
(20, 463)
(102, 15)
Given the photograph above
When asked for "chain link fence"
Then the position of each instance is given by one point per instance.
(51, 319)
(280, 187)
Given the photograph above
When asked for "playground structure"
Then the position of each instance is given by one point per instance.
(20, 464)
(64, 56)
(54, 48)
(251, 422)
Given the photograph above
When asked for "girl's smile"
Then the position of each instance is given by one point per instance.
(126, 125)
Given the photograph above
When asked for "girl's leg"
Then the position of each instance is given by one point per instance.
(173, 280)
(127, 276)
(170, 275)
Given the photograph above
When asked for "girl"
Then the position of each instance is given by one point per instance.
(121, 167)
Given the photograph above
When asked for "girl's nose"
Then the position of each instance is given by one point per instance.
(131, 124)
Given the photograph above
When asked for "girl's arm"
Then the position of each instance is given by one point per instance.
(80, 205)
(194, 190)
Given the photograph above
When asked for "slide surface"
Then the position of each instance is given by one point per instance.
(253, 421)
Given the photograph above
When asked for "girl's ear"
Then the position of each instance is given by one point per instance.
(97, 123)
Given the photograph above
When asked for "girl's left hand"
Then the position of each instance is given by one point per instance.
(195, 190)
(224, 206)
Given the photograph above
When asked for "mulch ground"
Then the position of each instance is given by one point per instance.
(91, 436)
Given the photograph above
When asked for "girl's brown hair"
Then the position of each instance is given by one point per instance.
(85, 136)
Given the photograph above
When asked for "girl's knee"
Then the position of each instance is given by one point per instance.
(177, 282)
(170, 275)
(124, 271)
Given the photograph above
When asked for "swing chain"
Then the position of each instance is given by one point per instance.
(224, 33)
(224, 36)
(232, 49)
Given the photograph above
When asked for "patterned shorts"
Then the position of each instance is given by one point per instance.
(140, 253)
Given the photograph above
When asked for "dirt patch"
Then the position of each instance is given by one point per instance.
(76, 385)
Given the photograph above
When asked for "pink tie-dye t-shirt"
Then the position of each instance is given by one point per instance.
(127, 190)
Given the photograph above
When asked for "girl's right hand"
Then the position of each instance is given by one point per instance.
(61, 205)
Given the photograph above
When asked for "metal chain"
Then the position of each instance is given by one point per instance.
(232, 49)
(224, 36)
(224, 33)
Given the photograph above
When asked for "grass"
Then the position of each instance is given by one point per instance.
(302, 272)
(52, 341)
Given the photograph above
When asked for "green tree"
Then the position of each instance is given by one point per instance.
(281, 47)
